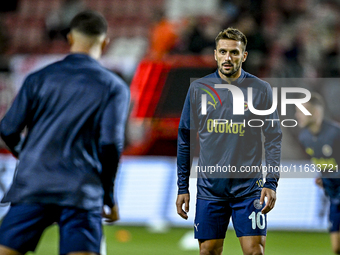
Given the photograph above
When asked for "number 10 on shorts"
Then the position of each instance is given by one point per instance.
(257, 219)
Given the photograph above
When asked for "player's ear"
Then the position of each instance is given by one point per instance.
(70, 39)
(245, 54)
(215, 52)
(105, 42)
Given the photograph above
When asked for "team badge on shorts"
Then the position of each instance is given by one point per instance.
(257, 204)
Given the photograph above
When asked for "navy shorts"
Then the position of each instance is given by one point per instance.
(22, 227)
(334, 218)
(212, 218)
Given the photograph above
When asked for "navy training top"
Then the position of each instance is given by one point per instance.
(227, 140)
(324, 150)
(75, 112)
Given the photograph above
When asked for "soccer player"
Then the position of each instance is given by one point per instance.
(75, 113)
(227, 140)
(321, 140)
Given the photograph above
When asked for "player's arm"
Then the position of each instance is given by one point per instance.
(272, 145)
(186, 140)
(111, 144)
(318, 182)
(318, 179)
(17, 116)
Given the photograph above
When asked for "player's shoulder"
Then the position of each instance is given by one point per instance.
(107, 76)
(43, 70)
(91, 66)
(331, 125)
(209, 80)
(256, 82)
(114, 81)
(117, 83)
(36, 78)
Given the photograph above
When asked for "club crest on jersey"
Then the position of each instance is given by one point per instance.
(327, 150)
(246, 107)
(205, 102)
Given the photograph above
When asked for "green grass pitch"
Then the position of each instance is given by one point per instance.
(128, 240)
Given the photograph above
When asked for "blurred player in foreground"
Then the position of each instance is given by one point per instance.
(321, 140)
(222, 195)
(75, 113)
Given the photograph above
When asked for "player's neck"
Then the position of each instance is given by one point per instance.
(94, 52)
(315, 127)
(232, 78)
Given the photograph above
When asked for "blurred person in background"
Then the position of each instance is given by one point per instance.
(201, 34)
(257, 44)
(163, 36)
(321, 140)
(74, 111)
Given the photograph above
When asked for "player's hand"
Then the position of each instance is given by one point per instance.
(183, 199)
(318, 181)
(110, 214)
(271, 198)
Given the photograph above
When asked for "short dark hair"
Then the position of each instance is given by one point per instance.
(317, 100)
(90, 23)
(233, 34)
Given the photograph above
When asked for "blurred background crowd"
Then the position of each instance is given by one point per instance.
(286, 39)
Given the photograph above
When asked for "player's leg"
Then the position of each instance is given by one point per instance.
(211, 223)
(334, 219)
(80, 231)
(211, 247)
(253, 245)
(335, 240)
(23, 226)
(250, 225)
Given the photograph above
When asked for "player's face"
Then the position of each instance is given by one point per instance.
(302, 119)
(229, 55)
